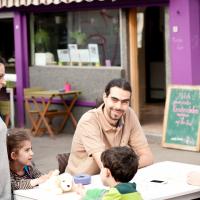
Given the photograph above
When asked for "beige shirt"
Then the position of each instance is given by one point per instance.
(94, 134)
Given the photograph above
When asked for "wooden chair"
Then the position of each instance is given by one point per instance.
(62, 161)
(32, 108)
(34, 112)
(5, 111)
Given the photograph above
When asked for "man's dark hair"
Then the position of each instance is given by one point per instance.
(2, 60)
(120, 83)
(122, 163)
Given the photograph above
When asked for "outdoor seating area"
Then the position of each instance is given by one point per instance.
(40, 107)
(161, 175)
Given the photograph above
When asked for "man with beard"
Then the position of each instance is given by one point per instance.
(112, 124)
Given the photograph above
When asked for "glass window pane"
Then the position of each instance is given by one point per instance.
(96, 33)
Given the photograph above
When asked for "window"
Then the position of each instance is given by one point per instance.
(88, 38)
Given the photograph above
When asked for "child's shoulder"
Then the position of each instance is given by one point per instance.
(124, 188)
(123, 191)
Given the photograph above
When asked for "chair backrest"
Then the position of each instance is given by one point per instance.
(28, 91)
(5, 107)
(62, 161)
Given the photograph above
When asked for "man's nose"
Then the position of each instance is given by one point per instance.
(118, 105)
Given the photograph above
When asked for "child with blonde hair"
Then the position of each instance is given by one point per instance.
(24, 175)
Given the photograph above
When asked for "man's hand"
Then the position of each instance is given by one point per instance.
(145, 157)
(97, 157)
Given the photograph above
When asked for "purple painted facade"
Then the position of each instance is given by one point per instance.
(185, 41)
(21, 63)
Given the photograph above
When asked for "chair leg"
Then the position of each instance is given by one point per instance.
(7, 119)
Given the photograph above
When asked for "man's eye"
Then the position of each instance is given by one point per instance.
(114, 100)
(125, 102)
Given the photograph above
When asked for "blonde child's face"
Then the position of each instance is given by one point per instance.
(25, 154)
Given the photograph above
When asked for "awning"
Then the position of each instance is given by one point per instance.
(17, 3)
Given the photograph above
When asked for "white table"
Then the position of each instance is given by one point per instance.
(173, 173)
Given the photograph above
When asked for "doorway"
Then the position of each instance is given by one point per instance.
(7, 57)
(7, 44)
(153, 91)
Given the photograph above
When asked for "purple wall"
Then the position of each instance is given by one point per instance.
(184, 42)
(195, 41)
(21, 63)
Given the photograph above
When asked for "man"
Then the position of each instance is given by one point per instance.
(112, 124)
(5, 187)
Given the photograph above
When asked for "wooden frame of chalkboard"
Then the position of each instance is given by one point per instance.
(181, 128)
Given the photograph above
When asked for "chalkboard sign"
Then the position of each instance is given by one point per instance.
(181, 127)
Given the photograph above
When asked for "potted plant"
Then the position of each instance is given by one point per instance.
(42, 40)
(78, 37)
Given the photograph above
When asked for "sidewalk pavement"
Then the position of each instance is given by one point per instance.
(45, 151)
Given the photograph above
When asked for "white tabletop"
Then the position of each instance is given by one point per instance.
(172, 173)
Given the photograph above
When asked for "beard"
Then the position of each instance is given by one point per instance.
(115, 114)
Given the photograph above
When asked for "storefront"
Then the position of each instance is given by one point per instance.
(87, 43)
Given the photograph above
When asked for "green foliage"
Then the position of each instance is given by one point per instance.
(78, 37)
(42, 40)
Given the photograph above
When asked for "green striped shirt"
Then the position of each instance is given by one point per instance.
(122, 191)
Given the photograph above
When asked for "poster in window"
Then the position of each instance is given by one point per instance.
(84, 55)
(72, 47)
(94, 53)
(74, 53)
(63, 55)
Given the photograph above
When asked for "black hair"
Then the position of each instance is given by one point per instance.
(120, 83)
(122, 163)
(2, 60)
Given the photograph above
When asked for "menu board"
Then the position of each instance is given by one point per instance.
(182, 118)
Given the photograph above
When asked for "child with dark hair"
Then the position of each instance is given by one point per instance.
(23, 174)
(120, 165)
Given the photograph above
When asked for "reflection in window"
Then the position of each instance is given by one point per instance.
(77, 38)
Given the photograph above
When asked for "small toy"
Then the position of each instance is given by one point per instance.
(58, 184)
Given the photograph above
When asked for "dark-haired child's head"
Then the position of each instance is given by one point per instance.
(19, 146)
(122, 163)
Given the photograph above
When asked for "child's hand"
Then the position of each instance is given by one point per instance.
(193, 178)
(79, 189)
(43, 178)
(53, 173)
(39, 180)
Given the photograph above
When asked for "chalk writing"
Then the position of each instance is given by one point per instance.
(182, 117)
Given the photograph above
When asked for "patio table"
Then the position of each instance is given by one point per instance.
(42, 100)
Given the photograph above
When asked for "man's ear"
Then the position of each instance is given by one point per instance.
(13, 156)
